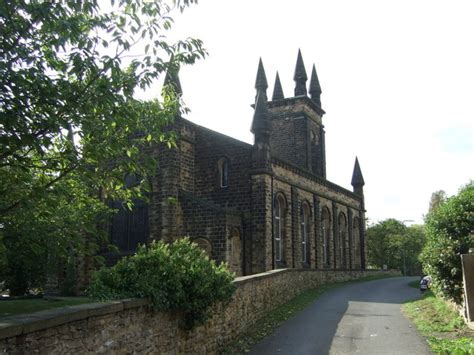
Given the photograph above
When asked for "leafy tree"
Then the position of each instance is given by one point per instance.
(393, 244)
(70, 127)
(437, 198)
(415, 240)
(64, 78)
(176, 277)
(379, 245)
(450, 233)
(40, 235)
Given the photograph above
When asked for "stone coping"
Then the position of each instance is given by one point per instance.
(28, 323)
(271, 273)
(263, 275)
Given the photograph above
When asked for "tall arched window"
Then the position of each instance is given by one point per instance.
(304, 232)
(279, 227)
(326, 229)
(342, 240)
(223, 168)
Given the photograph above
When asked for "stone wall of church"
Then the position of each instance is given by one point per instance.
(297, 134)
(202, 219)
(210, 148)
(339, 248)
(288, 140)
(187, 198)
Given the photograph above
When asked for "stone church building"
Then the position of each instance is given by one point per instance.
(259, 207)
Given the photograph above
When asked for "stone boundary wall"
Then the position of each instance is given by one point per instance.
(131, 326)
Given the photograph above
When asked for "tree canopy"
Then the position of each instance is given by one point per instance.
(395, 245)
(68, 74)
(450, 233)
(71, 128)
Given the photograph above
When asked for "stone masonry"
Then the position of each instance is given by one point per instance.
(259, 207)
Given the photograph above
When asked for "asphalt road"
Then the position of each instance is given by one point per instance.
(360, 318)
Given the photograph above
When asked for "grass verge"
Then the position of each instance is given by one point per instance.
(25, 306)
(443, 327)
(267, 325)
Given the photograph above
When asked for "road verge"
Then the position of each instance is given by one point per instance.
(443, 328)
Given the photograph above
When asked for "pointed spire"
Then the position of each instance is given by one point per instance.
(261, 84)
(300, 76)
(260, 123)
(357, 178)
(277, 89)
(172, 78)
(314, 87)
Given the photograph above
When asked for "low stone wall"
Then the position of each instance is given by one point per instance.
(131, 326)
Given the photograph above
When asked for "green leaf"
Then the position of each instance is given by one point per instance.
(53, 192)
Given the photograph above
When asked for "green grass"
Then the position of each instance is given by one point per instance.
(25, 306)
(267, 325)
(443, 327)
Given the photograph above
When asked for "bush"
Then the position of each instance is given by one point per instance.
(176, 277)
(449, 230)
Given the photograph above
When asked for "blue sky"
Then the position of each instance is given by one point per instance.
(397, 80)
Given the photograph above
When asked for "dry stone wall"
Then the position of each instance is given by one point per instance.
(131, 326)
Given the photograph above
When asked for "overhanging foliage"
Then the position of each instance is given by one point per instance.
(450, 233)
(70, 127)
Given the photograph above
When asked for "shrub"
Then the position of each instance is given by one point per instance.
(176, 277)
(449, 230)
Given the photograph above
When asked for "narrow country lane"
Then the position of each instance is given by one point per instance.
(360, 318)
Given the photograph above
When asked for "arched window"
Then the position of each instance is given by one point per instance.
(205, 245)
(304, 232)
(279, 227)
(326, 229)
(223, 168)
(342, 240)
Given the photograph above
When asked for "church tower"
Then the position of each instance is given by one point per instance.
(297, 131)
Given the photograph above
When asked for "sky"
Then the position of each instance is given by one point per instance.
(397, 81)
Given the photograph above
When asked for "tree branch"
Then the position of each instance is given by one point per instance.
(16, 204)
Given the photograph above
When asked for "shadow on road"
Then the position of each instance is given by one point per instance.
(362, 304)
